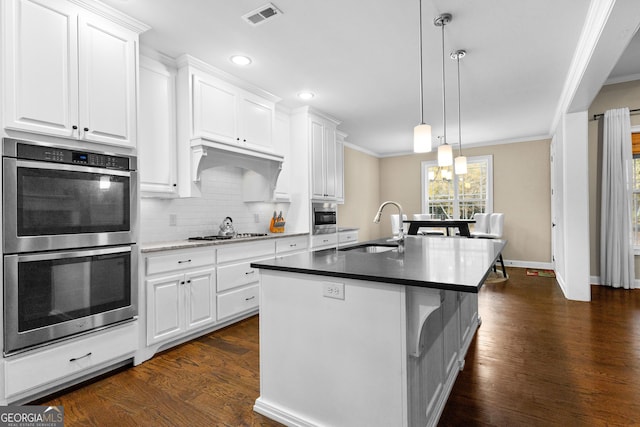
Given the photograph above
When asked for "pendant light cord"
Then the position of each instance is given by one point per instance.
(459, 125)
(444, 105)
(421, 84)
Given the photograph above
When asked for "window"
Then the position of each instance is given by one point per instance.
(447, 195)
(635, 144)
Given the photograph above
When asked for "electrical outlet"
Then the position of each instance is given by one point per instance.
(333, 290)
(173, 220)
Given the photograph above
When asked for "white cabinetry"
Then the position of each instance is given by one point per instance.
(347, 238)
(323, 158)
(238, 283)
(324, 241)
(340, 137)
(157, 134)
(69, 72)
(180, 289)
(58, 365)
(213, 108)
(292, 245)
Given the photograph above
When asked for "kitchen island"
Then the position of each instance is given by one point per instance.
(368, 336)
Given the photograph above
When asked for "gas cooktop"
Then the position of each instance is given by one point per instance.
(236, 236)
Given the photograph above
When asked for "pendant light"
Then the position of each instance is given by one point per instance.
(422, 132)
(445, 154)
(460, 166)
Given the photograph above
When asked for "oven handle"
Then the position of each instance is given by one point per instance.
(72, 254)
(72, 168)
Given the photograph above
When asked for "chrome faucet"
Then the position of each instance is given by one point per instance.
(400, 238)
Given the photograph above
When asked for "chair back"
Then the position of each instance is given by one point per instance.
(496, 225)
(482, 223)
(395, 224)
(421, 217)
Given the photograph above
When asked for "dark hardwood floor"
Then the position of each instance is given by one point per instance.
(537, 359)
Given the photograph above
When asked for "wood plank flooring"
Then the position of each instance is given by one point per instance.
(537, 359)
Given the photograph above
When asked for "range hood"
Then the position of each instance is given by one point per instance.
(206, 154)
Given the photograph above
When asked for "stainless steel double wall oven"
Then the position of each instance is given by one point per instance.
(69, 242)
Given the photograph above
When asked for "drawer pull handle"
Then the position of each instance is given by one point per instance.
(249, 298)
(182, 262)
(293, 245)
(250, 272)
(73, 359)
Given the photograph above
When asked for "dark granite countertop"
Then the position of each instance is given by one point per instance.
(450, 263)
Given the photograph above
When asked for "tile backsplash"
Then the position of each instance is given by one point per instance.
(221, 197)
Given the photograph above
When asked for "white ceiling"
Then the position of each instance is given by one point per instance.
(360, 58)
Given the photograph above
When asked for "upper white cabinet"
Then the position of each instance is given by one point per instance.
(70, 72)
(340, 137)
(213, 108)
(156, 129)
(317, 132)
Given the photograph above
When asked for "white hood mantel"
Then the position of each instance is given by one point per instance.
(206, 154)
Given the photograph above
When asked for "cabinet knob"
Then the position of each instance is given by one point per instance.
(182, 282)
(86, 129)
(74, 127)
(237, 139)
(188, 281)
(175, 185)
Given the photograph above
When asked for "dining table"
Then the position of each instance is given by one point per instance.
(461, 224)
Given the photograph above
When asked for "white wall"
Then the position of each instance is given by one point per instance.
(221, 197)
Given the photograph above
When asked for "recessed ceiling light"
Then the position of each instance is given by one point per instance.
(240, 60)
(306, 95)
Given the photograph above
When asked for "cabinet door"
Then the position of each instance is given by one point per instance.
(214, 110)
(256, 120)
(157, 139)
(107, 82)
(330, 161)
(451, 332)
(339, 170)
(165, 307)
(40, 57)
(200, 295)
(281, 141)
(316, 130)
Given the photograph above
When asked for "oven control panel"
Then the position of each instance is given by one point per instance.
(73, 157)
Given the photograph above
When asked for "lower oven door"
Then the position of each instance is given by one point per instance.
(48, 296)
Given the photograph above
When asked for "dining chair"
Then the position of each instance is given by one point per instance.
(429, 231)
(481, 226)
(495, 231)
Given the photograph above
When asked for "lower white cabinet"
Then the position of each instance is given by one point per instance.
(238, 283)
(178, 303)
(59, 364)
(346, 238)
(292, 245)
(324, 241)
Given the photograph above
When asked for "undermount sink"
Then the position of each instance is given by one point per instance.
(371, 249)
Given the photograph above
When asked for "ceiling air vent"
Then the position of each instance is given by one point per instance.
(261, 14)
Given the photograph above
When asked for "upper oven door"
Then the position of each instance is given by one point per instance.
(48, 206)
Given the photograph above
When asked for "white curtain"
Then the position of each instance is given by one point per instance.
(616, 241)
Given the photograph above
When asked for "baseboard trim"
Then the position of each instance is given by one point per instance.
(595, 280)
(279, 415)
(528, 264)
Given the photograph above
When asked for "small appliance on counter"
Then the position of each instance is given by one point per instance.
(226, 228)
(277, 223)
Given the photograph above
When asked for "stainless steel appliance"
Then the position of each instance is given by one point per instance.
(324, 218)
(69, 242)
(59, 198)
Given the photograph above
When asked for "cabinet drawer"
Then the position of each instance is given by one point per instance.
(324, 240)
(180, 260)
(236, 275)
(292, 244)
(258, 249)
(64, 361)
(347, 237)
(238, 301)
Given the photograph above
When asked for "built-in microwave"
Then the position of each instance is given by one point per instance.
(324, 218)
(59, 198)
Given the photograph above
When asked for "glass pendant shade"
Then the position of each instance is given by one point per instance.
(445, 155)
(422, 138)
(460, 165)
